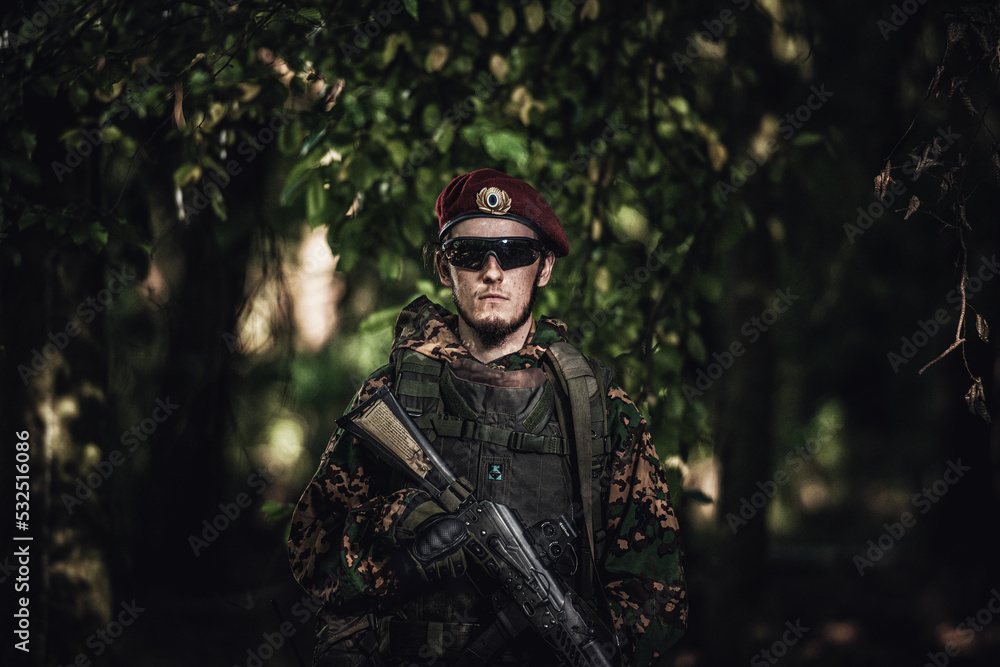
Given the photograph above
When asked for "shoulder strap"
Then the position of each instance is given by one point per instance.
(578, 381)
(417, 375)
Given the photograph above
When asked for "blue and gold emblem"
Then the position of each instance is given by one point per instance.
(493, 200)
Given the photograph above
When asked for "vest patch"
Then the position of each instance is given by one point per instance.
(495, 473)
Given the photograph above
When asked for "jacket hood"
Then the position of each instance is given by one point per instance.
(432, 331)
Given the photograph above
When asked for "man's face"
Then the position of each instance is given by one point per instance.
(494, 303)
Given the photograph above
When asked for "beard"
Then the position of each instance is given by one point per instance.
(492, 333)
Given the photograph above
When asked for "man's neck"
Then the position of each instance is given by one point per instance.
(512, 343)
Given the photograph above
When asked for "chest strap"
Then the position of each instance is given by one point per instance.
(453, 427)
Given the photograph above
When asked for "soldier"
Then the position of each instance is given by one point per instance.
(485, 396)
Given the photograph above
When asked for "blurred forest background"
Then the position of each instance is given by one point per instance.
(779, 213)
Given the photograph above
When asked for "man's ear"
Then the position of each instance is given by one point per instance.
(442, 268)
(548, 261)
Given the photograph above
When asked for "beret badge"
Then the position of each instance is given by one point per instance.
(493, 200)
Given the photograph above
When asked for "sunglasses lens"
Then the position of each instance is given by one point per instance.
(471, 253)
(515, 253)
(464, 255)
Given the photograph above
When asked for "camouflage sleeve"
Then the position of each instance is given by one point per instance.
(642, 563)
(342, 534)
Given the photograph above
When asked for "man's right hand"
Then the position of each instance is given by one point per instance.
(438, 547)
(437, 542)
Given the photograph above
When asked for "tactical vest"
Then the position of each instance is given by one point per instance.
(502, 431)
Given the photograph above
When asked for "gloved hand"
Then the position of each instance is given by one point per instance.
(439, 549)
(438, 540)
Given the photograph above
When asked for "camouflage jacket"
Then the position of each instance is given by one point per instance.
(343, 527)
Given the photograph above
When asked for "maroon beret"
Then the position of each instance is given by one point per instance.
(488, 192)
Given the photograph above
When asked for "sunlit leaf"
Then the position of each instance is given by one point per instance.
(883, 179)
(506, 145)
(534, 16)
(982, 328)
(186, 175)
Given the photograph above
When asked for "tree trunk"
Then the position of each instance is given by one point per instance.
(55, 390)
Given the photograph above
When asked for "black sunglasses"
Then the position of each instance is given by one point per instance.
(470, 252)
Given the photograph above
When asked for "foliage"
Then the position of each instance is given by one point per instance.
(194, 142)
(373, 112)
(970, 59)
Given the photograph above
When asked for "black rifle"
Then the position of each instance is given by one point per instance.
(521, 559)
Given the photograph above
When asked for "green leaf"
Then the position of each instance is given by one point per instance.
(310, 16)
(389, 265)
(630, 224)
(312, 140)
(507, 145)
(807, 139)
(296, 181)
(19, 168)
(534, 16)
(186, 174)
(275, 512)
(696, 348)
(316, 199)
(111, 134)
(444, 136)
(710, 286)
(380, 320)
(411, 7)
(508, 20)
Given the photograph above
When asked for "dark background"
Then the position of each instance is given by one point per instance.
(221, 207)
